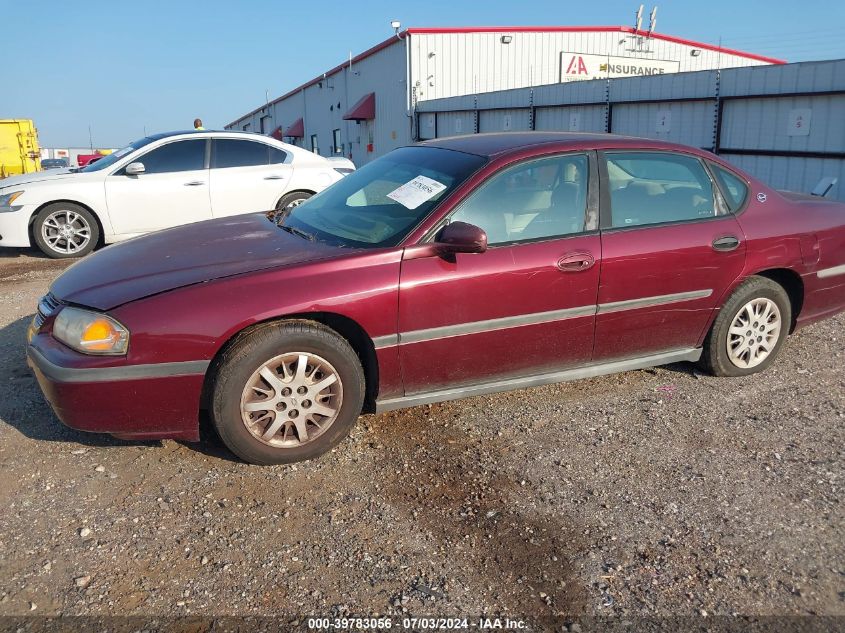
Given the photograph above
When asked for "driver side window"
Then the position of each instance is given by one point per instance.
(174, 157)
(535, 200)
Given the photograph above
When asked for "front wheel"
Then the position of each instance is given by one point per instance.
(64, 229)
(750, 330)
(287, 392)
(290, 201)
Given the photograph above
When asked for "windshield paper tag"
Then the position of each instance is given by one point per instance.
(412, 194)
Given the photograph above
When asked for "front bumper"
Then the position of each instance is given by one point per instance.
(155, 401)
(14, 227)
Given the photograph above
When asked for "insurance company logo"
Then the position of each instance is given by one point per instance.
(575, 66)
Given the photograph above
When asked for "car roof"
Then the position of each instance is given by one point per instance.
(496, 144)
(162, 135)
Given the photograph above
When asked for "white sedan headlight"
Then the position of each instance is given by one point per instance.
(90, 332)
(7, 199)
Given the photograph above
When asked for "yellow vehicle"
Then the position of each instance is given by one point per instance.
(19, 151)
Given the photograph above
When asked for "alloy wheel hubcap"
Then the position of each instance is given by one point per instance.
(291, 399)
(66, 231)
(754, 332)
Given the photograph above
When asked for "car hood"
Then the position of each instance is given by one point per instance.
(182, 256)
(39, 176)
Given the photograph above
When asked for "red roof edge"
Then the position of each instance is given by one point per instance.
(393, 39)
(589, 29)
(297, 130)
(277, 133)
(363, 110)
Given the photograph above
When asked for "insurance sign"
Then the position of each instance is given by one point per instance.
(581, 66)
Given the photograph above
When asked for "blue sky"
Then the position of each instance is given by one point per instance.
(123, 67)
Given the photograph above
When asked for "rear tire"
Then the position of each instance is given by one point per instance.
(750, 329)
(287, 392)
(64, 229)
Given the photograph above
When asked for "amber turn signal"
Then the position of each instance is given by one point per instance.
(90, 332)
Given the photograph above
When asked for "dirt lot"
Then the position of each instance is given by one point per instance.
(660, 492)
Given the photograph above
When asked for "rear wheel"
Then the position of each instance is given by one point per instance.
(287, 392)
(750, 330)
(64, 229)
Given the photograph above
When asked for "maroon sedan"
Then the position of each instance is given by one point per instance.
(448, 269)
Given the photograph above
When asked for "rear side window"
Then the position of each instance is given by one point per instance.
(735, 190)
(236, 153)
(654, 188)
(277, 156)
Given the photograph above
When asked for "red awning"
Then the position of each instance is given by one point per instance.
(364, 110)
(297, 130)
(277, 133)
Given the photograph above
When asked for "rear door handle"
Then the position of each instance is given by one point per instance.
(194, 183)
(576, 262)
(726, 243)
(274, 177)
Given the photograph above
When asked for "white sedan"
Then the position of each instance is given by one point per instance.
(157, 182)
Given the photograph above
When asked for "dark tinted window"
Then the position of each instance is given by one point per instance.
(277, 156)
(177, 156)
(652, 188)
(236, 153)
(539, 199)
(735, 190)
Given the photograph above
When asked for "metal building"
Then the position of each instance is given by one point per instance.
(784, 124)
(365, 106)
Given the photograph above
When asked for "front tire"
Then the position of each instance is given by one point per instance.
(750, 330)
(64, 229)
(287, 392)
(290, 201)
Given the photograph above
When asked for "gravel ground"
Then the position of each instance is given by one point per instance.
(662, 492)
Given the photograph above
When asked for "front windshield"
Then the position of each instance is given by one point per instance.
(379, 204)
(111, 159)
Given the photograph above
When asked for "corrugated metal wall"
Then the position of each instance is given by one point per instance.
(690, 123)
(571, 118)
(784, 124)
(458, 63)
(455, 123)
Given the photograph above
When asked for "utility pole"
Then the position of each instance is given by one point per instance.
(90, 138)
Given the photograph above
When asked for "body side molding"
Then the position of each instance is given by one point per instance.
(577, 373)
(831, 272)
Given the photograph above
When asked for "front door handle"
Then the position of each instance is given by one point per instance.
(194, 183)
(576, 262)
(274, 177)
(726, 243)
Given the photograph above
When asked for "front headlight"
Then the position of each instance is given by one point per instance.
(7, 199)
(90, 332)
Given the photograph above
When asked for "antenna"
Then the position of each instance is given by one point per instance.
(652, 20)
(638, 21)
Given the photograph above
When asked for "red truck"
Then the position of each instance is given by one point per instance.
(83, 160)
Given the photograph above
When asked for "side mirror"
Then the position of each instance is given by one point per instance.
(133, 169)
(460, 237)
